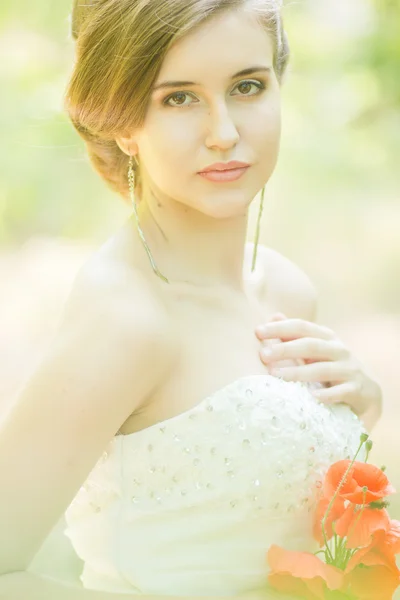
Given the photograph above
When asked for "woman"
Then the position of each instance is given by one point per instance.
(208, 455)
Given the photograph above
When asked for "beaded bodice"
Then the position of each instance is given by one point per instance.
(191, 505)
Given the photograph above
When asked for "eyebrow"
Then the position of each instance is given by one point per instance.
(248, 71)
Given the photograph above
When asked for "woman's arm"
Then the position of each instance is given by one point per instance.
(109, 353)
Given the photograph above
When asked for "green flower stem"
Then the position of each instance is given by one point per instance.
(368, 446)
(340, 556)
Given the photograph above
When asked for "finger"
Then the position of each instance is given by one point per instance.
(284, 363)
(271, 338)
(321, 371)
(338, 394)
(266, 337)
(334, 392)
(293, 328)
(275, 317)
(313, 349)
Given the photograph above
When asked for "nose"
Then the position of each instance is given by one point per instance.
(222, 131)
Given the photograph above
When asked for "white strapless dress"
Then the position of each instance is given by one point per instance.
(190, 505)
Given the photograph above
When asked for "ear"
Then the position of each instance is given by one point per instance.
(127, 145)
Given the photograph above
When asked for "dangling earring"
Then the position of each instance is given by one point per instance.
(131, 179)
(253, 266)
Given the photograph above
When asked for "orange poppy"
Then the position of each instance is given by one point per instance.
(359, 517)
(358, 524)
(360, 475)
(302, 573)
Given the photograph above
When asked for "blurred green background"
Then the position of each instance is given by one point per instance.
(332, 204)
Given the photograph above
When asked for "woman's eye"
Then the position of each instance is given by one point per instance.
(179, 97)
(259, 84)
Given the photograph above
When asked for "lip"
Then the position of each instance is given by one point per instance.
(233, 164)
(224, 176)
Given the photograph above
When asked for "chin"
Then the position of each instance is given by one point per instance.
(227, 209)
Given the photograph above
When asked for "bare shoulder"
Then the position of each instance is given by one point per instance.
(288, 285)
(115, 300)
(104, 286)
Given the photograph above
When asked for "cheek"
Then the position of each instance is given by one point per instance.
(168, 167)
(171, 144)
(165, 147)
(270, 118)
(266, 134)
(172, 130)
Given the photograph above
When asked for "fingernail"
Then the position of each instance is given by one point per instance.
(279, 316)
(266, 353)
(276, 372)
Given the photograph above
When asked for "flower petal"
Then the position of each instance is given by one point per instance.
(387, 543)
(373, 478)
(360, 475)
(285, 583)
(345, 520)
(392, 540)
(370, 583)
(334, 476)
(303, 565)
(359, 525)
(371, 556)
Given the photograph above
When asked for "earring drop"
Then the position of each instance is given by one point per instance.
(131, 179)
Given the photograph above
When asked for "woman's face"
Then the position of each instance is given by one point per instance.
(218, 118)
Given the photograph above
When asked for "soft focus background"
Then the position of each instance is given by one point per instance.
(332, 205)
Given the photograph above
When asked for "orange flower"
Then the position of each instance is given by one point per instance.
(364, 483)
(360, 523)
(361, 564)
(360, 475)
(302, 573)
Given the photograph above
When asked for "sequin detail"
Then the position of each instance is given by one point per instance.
(267, 435)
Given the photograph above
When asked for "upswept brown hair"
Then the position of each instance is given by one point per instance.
(120, 47)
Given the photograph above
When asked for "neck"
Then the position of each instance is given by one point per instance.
(191, 247)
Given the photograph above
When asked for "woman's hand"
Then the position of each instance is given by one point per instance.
(322, 357)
